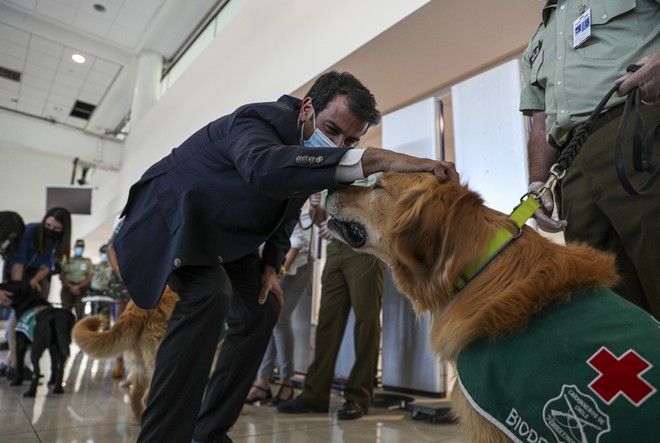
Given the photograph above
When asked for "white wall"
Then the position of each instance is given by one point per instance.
(269, 48)
(489, 135)
(25, 173)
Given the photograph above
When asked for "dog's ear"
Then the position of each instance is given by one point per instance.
(466, 233)
(415, 228)
(438, 228)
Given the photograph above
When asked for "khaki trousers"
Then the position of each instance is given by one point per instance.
(350, 280)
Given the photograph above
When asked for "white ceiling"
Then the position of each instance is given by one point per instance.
(38, 38)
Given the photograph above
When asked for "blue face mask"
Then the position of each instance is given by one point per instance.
(103, 257)
(318, 138)
(78, 251)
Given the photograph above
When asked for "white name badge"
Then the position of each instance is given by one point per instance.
(582, 28)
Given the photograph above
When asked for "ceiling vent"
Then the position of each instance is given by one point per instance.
(10, 74)
(82, 110)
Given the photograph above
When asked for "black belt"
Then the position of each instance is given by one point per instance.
(606, 117)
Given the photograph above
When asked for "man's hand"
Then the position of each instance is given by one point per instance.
(647, 77)
(270, 283)
(5, 297)
(382, 160)
(543, 215)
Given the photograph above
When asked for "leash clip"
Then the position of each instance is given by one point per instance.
(556, 174)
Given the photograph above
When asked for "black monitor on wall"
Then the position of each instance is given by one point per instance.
(77, 199)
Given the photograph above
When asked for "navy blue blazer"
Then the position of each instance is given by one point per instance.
(236, 183)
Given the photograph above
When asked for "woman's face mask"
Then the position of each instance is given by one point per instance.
(52, 233)
(103, 257)
(318, 138)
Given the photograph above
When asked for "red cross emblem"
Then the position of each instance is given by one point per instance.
(620, 376)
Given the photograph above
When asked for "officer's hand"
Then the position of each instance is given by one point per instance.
(5, 297)
(647, 77)
(543, 215)
(270, 283)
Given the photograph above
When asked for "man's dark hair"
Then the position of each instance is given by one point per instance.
(361, 102)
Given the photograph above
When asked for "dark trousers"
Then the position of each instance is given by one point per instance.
(600, 213)
(70, 301)
(183, 361)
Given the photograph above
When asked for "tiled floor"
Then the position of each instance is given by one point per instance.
(95, 408)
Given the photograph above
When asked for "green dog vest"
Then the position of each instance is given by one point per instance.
(581, 371)
(28, 321)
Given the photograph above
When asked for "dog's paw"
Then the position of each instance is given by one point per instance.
(30, 393)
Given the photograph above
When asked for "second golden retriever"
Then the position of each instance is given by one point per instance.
(137, 334)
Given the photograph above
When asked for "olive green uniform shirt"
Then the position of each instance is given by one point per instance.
(569, 83)
(77, 269)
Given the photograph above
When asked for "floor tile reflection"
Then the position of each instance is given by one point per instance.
(95, 409)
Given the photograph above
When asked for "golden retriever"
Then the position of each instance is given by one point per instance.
(429, 232)
(137, 333)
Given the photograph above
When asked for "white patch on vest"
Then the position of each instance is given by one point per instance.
(574, 417)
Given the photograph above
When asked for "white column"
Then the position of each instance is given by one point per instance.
(147, 83)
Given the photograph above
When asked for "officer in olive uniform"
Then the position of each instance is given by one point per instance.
(581, 49)
(76, 277)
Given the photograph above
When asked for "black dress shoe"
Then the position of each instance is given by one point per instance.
(350, 411)
(300, 406)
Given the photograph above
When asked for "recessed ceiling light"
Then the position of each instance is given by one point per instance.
(99, 7)
(78, 58)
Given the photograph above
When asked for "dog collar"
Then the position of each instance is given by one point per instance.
(499, 240)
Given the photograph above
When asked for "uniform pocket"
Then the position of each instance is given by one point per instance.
(614, 30)
(536, 67)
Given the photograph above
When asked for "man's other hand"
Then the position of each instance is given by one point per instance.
(270, 283)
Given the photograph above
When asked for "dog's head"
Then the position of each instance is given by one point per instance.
(427, 231)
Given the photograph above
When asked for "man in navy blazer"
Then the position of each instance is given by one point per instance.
(196, 219)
